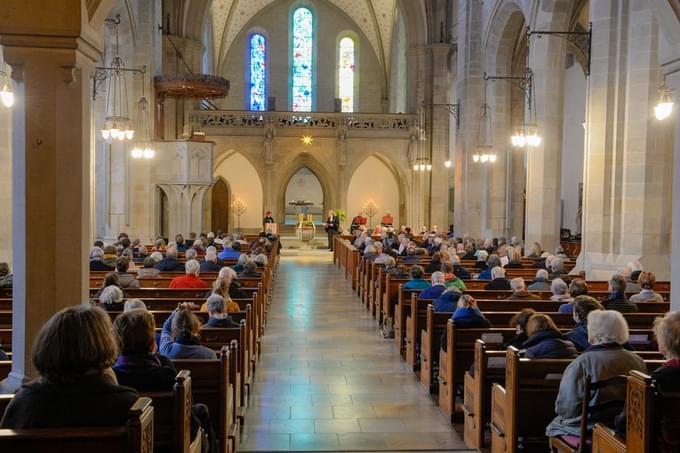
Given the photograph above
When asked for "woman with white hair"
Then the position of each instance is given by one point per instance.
(234, 284)
(606, 358)
(190, 280)
(97, 260)
(111, 298)
(560, 291)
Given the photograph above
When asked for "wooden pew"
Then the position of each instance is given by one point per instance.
(172, 420)
(135, 437)
(525, 405)
(400, 310)
(211, 385)
(5, 368)
(645, 415)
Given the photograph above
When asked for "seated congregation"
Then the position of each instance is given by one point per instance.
(173, 328)
(519, 350)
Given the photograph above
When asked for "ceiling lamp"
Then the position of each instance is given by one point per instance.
(144, 146)
(664, 107)
(422, 160)
(532, 137)
(484, 152)
(518, 139)
(117, 124)
(6, 95)
(447, 164)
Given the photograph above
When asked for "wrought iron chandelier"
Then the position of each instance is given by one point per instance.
(484, 150)
(6, 95)
(422, 161)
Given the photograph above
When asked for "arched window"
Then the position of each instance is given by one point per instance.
(258, 72)
(346, 74)
(302, 64)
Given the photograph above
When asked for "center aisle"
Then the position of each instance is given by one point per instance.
(327, 380)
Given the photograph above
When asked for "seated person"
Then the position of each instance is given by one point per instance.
(631, 285)
(617, 298)
(437, 288)
(170, 263)
(216, 312)
(470, 252)
(180, 336)
(125, 279)
(519, 290)
(149, 270)
(221, 288)
(498, 282)
(556, 268)
(466, 315)
(546, 341)
(241, 263)
(209, 263)
(451, 278)
(133, 304)
(139, 365)
(542, 261)
(577, 287)
(3, 354)
(666, 379)
(514, 255)
(582, 306)
(519, 322)
(560, 291)
(646, 280)
(459, 270)
(190, 280)
(370, 252)
(76, 387)
(191, 254)
(447, 301)
(411, 256)
(482, 256)
(235, 291)
(110, 256)
(232, 251)
(416, 279)
(250, 270)
(96, 260)
(535, 251)
(492, 261)
(390, 266)
(435, 264)
(606, 358)
(542, 282)
(111, 298)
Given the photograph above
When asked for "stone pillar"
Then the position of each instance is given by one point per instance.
(673, 82)
(544, 163)
(5, 184)
(51, 179)
(440, 126)
(628, 155)
(468, 191)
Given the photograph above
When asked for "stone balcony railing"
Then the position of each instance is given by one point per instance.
(236, 122)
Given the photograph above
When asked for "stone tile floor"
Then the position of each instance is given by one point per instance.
(327, 380)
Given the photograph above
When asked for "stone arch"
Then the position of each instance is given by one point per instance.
(308, 161)
(245, 182)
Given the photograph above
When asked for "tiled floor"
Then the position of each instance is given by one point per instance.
(327, 379)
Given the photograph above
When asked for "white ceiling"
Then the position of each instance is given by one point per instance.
(373, 17)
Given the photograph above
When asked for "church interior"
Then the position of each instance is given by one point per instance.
(339, 225)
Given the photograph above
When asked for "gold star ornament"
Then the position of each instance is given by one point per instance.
(306, 140)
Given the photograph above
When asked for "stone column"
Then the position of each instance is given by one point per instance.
(5, 184)
(628, 155)
(51, 181)
(544, 163)
(440, 126)
(673, 81)
(468, 193)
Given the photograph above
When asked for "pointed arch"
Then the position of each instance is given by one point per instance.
(244, 182)
(301, 161)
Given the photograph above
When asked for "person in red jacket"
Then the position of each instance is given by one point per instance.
(190, 280)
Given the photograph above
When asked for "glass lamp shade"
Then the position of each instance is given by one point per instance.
(484, 158)
(129, 134)
(106, 133)
(663, 110)
(7, 96)
(447, 164)
(475, 157)
(492, 158)
(114, 132)
(149, 152)
(422, 167)
(136, 152)
(415, 167)
(518, 139)
(533, 140)
(429, 167)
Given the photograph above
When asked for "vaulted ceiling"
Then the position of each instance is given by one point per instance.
(373, 17)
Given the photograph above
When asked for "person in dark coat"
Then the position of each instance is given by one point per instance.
(466, 315)
(170, 263)
(447, 301)
(519, 290)
(250, 270)
(209, 263)
(96, 261)
(579, 335)
(332, 227)
(546, 341)
(435, 264)
(617, 297)
(519, 322)
(470, 253)
(139, 365)
(76, 387)
(491, 262)
(498, 282)
(437, 288)
(218, 317)
(459, 270)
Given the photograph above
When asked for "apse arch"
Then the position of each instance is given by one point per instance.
(374, 179)
(304, 160)
(244, 183)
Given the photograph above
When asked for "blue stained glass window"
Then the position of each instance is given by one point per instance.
(258, 72)
(303, 26)
(346, 74)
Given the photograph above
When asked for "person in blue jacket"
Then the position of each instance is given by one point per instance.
(448, 300)
(583, 305)
(546, 341)
(417, 282)
(438, 287)
(180, 336)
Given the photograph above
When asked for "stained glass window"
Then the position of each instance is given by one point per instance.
(258, 72)
(346, 74)
(303, 26)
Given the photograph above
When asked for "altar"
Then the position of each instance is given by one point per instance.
(305, 230)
